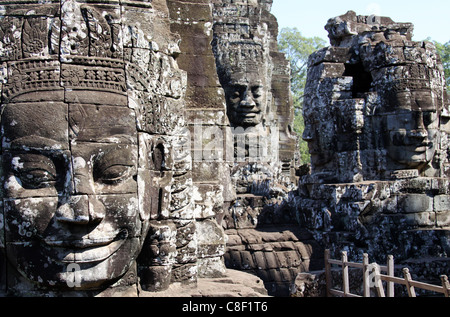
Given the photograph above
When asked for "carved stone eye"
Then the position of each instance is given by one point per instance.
(236, 92)
(114, 167)
(36, 178)
(113, 174)
(257, 92)
(428, 118)
(235, 95)
(34, 171)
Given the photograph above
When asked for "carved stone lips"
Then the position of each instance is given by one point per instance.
(423, 147)
(249, 114)
(88, 250)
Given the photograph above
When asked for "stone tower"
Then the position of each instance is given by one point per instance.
(376, 116)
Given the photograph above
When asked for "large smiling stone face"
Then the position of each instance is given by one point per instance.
(71, 193)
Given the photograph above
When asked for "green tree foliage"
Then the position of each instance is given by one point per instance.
(297, 49)
(444, 51)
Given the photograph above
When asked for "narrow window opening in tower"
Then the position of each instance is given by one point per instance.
(158, 157)
(362, 80)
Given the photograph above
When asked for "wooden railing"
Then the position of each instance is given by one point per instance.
(372, 278)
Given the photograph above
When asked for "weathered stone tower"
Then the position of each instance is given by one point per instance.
(264, 237)
(376, 114)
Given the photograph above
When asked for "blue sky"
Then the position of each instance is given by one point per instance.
(431, 18)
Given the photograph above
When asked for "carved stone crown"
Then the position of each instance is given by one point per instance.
(67, 50)
(82, 49)
(32, 75)
(244, 56)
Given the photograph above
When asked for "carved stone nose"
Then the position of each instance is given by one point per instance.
(80, 210)
(307, 135)
(248, 100)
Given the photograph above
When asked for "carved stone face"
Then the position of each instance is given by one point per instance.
(320, 137)
(71, 203)
(412, 137)
(246, 102)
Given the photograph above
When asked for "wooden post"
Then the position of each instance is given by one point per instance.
(378, 282)
(445, 285)
(328, 272)
(408, 279)
(345, 279)
(366, 275)
(390, 272)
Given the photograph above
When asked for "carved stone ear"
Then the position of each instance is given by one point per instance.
(158, 256)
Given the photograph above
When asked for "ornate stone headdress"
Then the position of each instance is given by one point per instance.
(43, 53)
(58, 51)
(241, 42)
(240, 57)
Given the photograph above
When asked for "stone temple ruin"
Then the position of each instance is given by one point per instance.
(147, 147)
(376, 117)
(376, 113)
